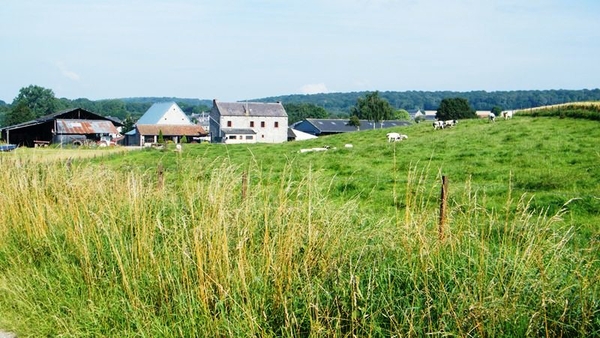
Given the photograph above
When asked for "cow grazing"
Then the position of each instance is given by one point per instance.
(309, 150)
(507, 114)
(438, 125)
(393, 137)
(450, 123)
(492, 117)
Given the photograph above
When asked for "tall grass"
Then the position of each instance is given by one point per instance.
(91, 251)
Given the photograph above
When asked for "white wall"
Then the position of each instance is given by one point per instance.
(175, 116)
(267, 134)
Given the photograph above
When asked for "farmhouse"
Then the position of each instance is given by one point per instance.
(321, 127)
(166, 119)
(248, 122)
(73, 126)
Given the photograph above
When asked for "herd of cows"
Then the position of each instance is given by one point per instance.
(394, 137)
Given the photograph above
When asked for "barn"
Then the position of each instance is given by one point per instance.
(166, 119)
(322, 127)
(73, 126)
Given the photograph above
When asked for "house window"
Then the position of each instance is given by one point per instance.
(249, 137)
(251, 124)
(228, 123)
(262, 124)
(276, 124)
(232, 137)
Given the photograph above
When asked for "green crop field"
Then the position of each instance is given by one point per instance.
(262, 240)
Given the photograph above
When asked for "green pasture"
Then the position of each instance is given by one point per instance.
(262, 240)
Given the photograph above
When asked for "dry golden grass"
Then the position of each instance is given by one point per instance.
(60, 154)
(582, 104)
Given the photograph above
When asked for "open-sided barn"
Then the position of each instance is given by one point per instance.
(72, 126)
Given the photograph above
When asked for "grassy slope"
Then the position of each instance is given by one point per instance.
(323, 244)
(552, 160)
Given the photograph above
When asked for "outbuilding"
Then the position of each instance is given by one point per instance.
(75, 126)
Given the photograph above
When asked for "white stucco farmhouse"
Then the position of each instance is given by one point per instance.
(248, 122)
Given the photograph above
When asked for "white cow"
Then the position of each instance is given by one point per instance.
(492, 117)
(393, 137)
(507, 114)
(438, 125)
(396, 137)
(450, 123)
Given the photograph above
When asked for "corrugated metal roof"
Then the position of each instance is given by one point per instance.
(68, 114)
(170, 129)
(154, 114)
(250, 109)
(83, 127)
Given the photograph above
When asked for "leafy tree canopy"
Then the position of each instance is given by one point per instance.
(354, 121)
(373, 108)
(497, 110)
(401, 114)
(19, 114)
(454, 109)
(39, 100)
(128, 124)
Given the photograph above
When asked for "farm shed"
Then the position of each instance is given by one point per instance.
(261, 122)
(297, 135)
(164, 118)
(76, 126)
(321, 127)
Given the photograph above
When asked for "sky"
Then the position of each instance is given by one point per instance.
(234, 50)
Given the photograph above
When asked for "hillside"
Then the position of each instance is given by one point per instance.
(262, 240)
(522, 156)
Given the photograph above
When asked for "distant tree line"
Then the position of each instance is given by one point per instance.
(340, 104)
(34, 101)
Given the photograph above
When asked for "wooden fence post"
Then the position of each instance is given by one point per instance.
(161, 176)
(443, 200)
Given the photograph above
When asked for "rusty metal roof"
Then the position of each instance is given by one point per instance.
(170, 129)
(83, 127)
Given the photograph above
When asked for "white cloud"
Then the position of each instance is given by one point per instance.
(69, 74)
(315, 88)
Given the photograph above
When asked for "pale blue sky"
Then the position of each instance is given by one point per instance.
(236, 50)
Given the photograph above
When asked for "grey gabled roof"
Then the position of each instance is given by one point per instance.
(343, 126)
(250, 109)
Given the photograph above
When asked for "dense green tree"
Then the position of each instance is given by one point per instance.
(161, 138)
(401, 114)
(18, 114)
(497, 110)
(300, 111)
(113, 108)
(128, 124)
(454, 109)
(373, 108)
(39, 100)
(354, 121)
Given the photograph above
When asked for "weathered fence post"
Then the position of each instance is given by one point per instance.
(161, 176)
(443, 199)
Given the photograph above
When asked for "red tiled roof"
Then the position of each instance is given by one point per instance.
(171, 129)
